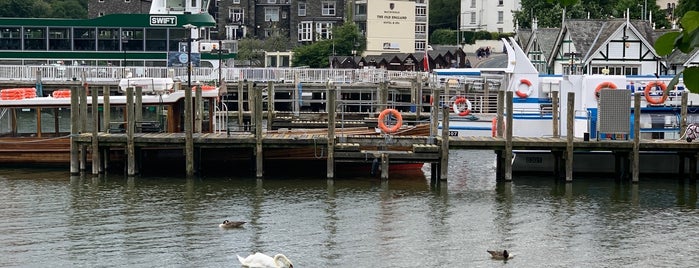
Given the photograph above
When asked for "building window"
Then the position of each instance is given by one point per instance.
(324, 30)
(236, 15)
(419, 45)
(101, 1)
(500, 3)
(420, 28)
(419, 1)
(500, 30)
(101, 14)
(271, 14)
(271, 1)
(305, 31)
(473, 3)
(328, 8)
(473, 17)
(302, 9)
(127, 1)
(501, 16)
(421, 11)
(236, 1)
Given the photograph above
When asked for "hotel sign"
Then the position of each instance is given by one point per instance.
(163, 21)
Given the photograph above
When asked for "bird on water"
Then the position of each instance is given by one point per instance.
(500, 255)
(231, 224)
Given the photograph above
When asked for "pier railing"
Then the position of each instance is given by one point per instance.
(200, 74)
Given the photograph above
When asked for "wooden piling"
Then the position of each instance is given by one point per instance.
(683, 113)
(138, 104)
(270, 104)
(257, 111)
(500, 131)
(331, 108)
(199, 109)
(95, 129)
(188, 140)
(130, 125)
(570, 117)
(444, 159)
(508, 137)
(74, 131)
(434, 114)
(384, 166)
(106, 118)
(240, 104)
(555, 102)
(83, 124)
(383, 97)
(418, 95)
(635, 158)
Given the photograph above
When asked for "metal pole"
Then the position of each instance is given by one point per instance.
(219, 62)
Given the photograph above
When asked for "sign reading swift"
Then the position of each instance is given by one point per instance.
(163, 21)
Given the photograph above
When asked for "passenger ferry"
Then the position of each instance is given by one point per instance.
(124, 40)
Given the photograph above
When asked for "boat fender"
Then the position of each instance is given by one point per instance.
(527, 83)
(605, 84)
(458, 109)
(652, 85)
(382, 120)
(375, 166)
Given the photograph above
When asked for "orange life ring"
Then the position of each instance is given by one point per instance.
(602, 85)
(382, 123)
(529, 91)
(653, 100)
(458, 109)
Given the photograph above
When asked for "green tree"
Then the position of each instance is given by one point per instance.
(548, 13)
(444, 14)
(684, 6)
(345, 39)
(444, 37)
(685, 41)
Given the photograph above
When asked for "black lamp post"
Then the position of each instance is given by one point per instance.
(189, 28)
(219, 62)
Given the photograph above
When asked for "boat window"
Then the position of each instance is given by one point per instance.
(10, 39)
(108, 39)
(156, 39)
(59, 39)
(84, 39)
(35, 38)
(132, 39)
(26, 121)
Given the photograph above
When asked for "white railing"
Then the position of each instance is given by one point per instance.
(284, 75)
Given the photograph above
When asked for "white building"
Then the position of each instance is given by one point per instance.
(393, 26)
(488, 15)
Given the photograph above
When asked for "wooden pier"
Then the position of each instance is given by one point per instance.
(339, 147)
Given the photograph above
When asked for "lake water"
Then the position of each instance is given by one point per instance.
(50, 218)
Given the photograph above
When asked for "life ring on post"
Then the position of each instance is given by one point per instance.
(529, 88)
(382, 120)
(458, 106)
(651, 86)
(494, 127)
(602, 85)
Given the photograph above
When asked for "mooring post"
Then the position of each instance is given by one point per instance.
(554, 114)
(83, 124)
(444, 162)
(270, 104)
(683, 113)
(418, 96)
(331, 107)
(434, 113)
(74, 130)
(635, 161)
(500, 117)
(138, 105)
(130, 125)
(188, 139)
(258, 133)
(106, 117)
(199, 109)
(240, 104)
(570, 119)
(384, 166)
(383, 96)
(508, 138)
(95, 130)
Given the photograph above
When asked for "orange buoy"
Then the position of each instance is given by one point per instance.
(382, 120)
(651, 86)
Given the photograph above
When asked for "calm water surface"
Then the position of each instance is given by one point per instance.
(50, 218)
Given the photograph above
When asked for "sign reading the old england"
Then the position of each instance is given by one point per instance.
(163, 21)
(391, 16)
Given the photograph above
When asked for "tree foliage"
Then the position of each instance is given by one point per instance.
(76, 9)
(549, 13)
(345, 39)
(444, 14)
(685, 41)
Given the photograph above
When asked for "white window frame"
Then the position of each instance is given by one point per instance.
(324, 30)
(271, 1)
(473, 17)
(305, 29)
(420, 45)
(420, 28)
(501, 16)
(302, 9)
(234, 12)
(473, 3)
(328, 8)
(421, 11)
(271, 14)
(236, 1)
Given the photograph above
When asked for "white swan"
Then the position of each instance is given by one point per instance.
(260, 260)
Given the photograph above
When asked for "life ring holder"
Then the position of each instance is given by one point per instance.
(382, 121)
(651, 99)
(457, 109)
(605, 84)
(527, 83)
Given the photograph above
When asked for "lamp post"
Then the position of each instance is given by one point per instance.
(124, 41)
(189, 28)
(219, 62)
